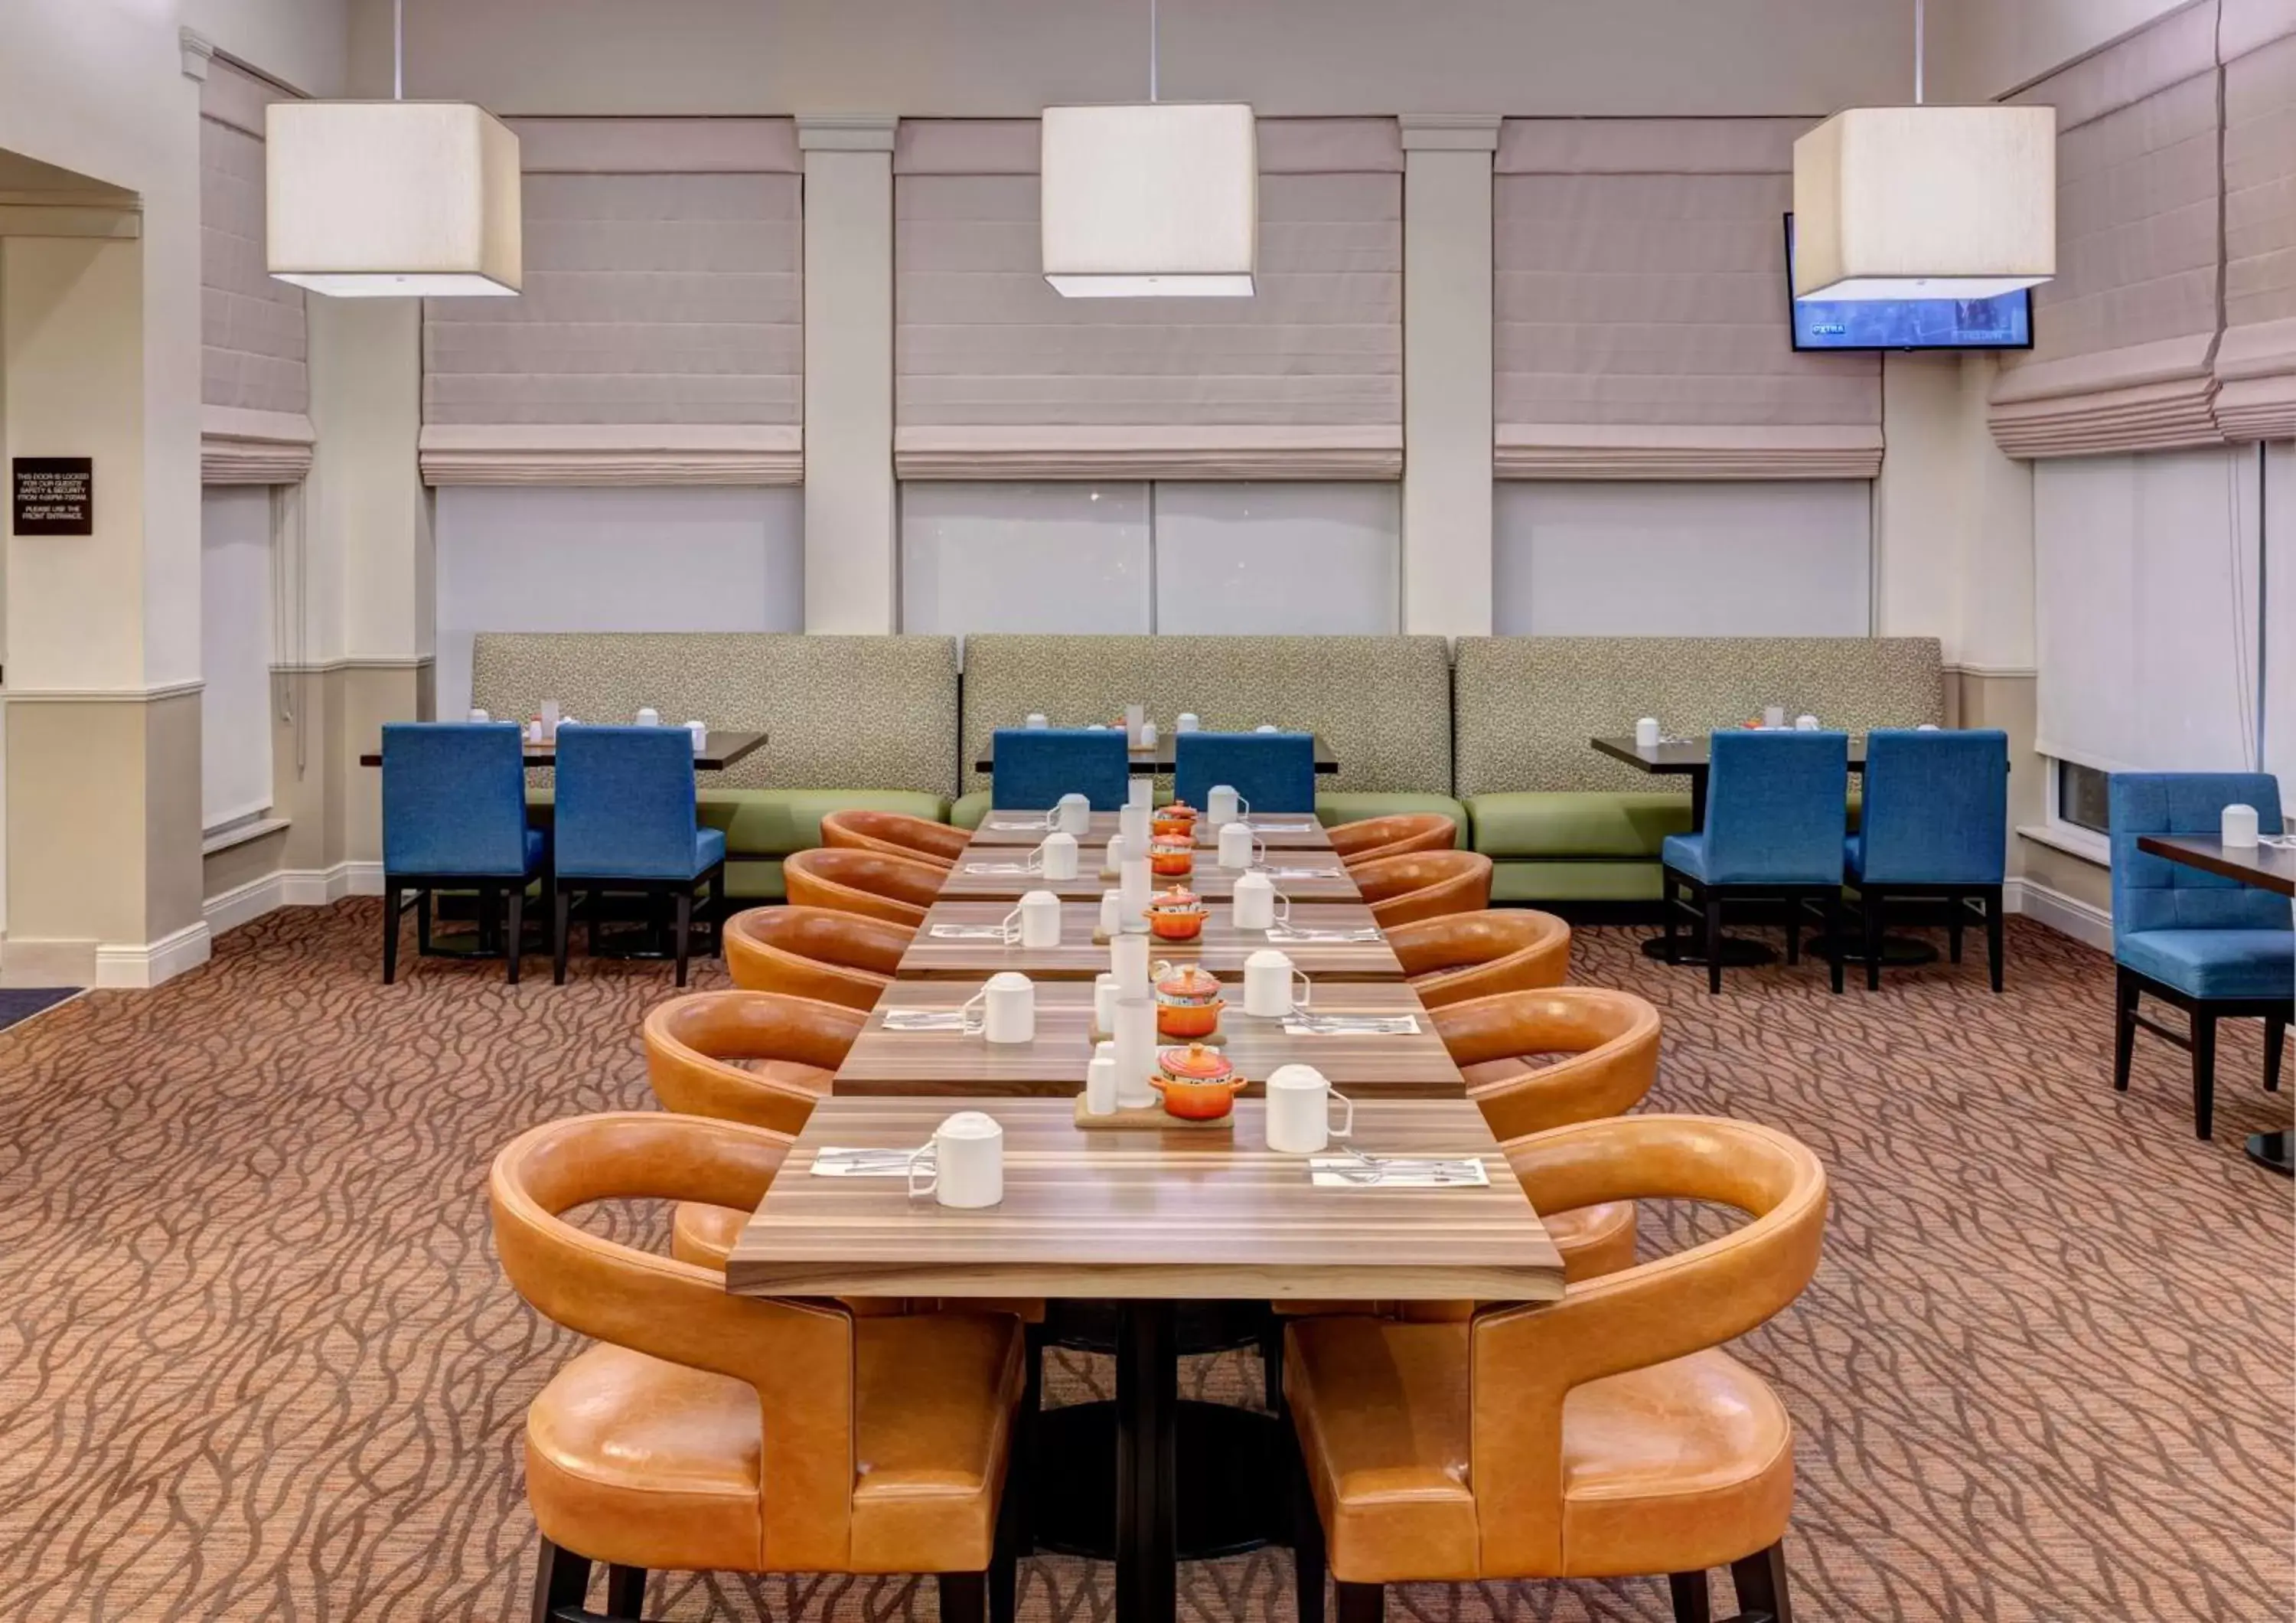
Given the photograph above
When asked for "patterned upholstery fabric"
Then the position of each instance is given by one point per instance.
(1037, 766)
(1774, 812)
(2151, 893)
(1272, 771)
(1935, 808)
(1382, 703)
(626, 807)
(874, 712)
(452, 800)
(1526, 706)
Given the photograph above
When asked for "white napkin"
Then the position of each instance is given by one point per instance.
(835, 1162)
(1300, 873)
(998, 868)
(967, 932)
(924, 1019)
(1345, 1172)
(1283, 827)
(1034, 826)
(1310, 1025)
(2279, 841)
(1284, 933)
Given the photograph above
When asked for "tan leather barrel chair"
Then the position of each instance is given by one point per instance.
(710, 1432)
(1609, 1036)
(1459, 956)
(895, 834)
(1369, 838)
(815, 952)
(1609, 1434)
(866, 882)
(1425, 885)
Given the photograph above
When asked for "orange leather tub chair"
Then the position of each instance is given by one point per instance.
(1609, 1434)
(898, 889)
(1427, 886)
(815, 952)
(1610, 1037)
(1457, 956)
(895, 834)
(706, 1431)
(1369, 838)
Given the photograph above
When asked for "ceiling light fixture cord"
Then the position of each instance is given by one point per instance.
(397, 50)
(1920, 46)
(1151, 50)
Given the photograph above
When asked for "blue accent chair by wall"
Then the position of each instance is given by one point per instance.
(1935, 823)
(1037, 765)
(2214, 947)
(1776, 813)
(453, 817)
(1273, 772)
(626, 823)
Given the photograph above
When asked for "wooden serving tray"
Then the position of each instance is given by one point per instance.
(1151, 1118)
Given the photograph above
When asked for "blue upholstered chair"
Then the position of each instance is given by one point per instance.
(2214, 947)
(1935, 823)
(1037, 765)
(453, 817)
(1776, 812)
(1274, 771)
(626, 823)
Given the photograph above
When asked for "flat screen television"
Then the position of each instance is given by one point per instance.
(2005, 321)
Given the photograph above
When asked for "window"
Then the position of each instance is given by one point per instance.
(235, 631)
(2081, 797)
(1689, 558)
(994, 555)
(1279, 557)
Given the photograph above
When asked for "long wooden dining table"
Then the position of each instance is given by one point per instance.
(1147, 1231)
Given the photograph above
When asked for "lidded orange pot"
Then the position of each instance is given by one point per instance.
(1176, 915)
(1188, 1000)
(1178, 818)
(1172, 856)
(1199, 1085)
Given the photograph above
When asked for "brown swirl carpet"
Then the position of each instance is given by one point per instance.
(256, 1361)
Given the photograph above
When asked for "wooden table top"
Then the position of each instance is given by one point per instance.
(719, 750)
(1186, 1215)
(1278, 831)
(2271, 867)
(1222, 948)
(1159, 756)
(887, 1064)
(1679, 755)
(1303, 876)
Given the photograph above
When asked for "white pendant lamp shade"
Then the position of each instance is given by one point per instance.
(392, 199)
(1160, 199)
(1925, 202)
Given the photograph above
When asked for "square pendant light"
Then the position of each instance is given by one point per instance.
(1925, 202)
(1156, 201)
(392, 199)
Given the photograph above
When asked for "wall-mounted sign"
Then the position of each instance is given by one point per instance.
(55, 495)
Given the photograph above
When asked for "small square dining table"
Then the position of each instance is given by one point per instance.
(1278, 830)
(719, 750)
(1221, 948)
(1687, 758)
(1159, 757)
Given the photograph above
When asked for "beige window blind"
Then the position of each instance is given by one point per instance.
(2256, 358)
(255, 395)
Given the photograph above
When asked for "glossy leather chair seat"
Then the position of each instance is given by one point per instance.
(818, 953)
(1426, 885)
(754, 1057)
(895, 834)
(866, 882)
(1612, 1039)
(1457, 956)
(1401, 835)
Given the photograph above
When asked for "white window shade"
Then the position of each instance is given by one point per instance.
(255, 397)
(1783, 558)
(989, 556)
(235, 625)
(999, 377)
(1641, 311)
(1265, 559)
(2279, 619)
(659, 336)
(2256, 358)
(2146, 609)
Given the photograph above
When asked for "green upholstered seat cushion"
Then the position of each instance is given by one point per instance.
(967, 811)
(1577, 823)
(761, 823)
(1353, 805)
(1517, 879)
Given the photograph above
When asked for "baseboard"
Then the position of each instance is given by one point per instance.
(2089, 925)
(119, 966)
(291, 887)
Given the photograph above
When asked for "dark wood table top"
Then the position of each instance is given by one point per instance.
(1303, 876)
(1222, 948)
(1188, 1214)
(2271, 867)
(1675, 756)
(1159, 757)
(719, 750)
(892, 1064)
(1278, 830)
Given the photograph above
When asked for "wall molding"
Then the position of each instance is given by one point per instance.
(2090, 926)
(199, 53)
(2022, 673)
(100, 696)
(290, 887)
(359, 661)
(123, 966)
(1450, 132)
(845, 132)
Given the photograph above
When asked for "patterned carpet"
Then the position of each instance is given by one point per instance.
(256, 1361)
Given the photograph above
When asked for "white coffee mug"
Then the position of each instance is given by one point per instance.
(1147, 735)
(1132, 895)
(1773, 716)
(534, 731)
(1127, 961)
(1239, 847)
(1805, 724)
(1134, 1051)
(1132, 823)
(1646, 733)
(648, 716)
(1267, 984)
(1300, 1102)
(1187, 721)
(1111, 914)
(1056, 857)
(1258, 904)
(963, 1163)
(1141, 791)
(700, 732)
(1036, 922)
(1224, 805)
(1104, 1001)
(2239, 827)
(479, 715)
(1035, 721)
(1267, 727)
(1072, 816)
(1100, 1081)
(1004, 1010)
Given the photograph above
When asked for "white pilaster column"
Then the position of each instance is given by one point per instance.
(850, 521)
(1447, 373)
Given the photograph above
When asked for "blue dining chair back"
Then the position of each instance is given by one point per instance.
(1035, 766)
(1274, 771)
(626, 805)
(2151, 893)
(454, 800)
(1936, 809)
(1776, 807)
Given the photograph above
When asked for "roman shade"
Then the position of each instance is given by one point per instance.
(999, 377)
(1641, 313)
(255, 395)
(2125, 338)
(2256, 358)
(659, 336)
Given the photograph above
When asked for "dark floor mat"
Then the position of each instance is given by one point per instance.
(24, 1002)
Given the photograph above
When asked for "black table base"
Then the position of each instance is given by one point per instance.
(1897, 951)
(1225, 1461)
(2271, 1149)
(1688, 948)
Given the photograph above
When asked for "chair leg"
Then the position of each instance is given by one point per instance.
(487, 917)
(1012, 1535)
(562, 904)
(2124, 990)
(1271, 1363)
(1993, 965)
(1873, 911)
(1307, 1542)
(390, 933)
(964, 1597)
(2275, 1039)
(1952, 922)
(626, 1594)
(517, 926)
(1834, 934)
(1793, 930)
(717, 913)
(1362, 1602)
(1763, 1596)
(2204, 1073)
(1713, 943)
(684, 928)
(1666, 891)
(562, 1581)
(423, 921)
(1693, 1603)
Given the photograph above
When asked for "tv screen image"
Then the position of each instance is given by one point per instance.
(2002, 323)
